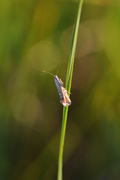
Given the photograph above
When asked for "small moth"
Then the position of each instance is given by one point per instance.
(64, 98)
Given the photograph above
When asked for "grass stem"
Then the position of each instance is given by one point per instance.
(68, 87)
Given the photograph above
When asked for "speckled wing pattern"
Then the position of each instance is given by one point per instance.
(64, 98)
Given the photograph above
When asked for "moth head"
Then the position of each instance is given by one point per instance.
(56, 77)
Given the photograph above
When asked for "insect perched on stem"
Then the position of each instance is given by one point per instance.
(64, 98)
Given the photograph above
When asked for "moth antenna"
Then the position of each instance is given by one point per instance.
(58, 68)
(48, 73)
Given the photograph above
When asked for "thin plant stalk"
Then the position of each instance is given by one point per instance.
(68, 87)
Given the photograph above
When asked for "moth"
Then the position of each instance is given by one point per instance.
(64, 98)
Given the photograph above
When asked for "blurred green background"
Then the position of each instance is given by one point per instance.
(35, 35)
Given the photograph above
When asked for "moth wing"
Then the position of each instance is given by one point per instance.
(62, 84)
(65, 100)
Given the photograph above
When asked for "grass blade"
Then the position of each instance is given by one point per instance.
(68, 87)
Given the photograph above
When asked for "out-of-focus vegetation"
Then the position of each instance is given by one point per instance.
(36, 36)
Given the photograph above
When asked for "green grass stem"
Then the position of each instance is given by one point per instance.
(68, 87)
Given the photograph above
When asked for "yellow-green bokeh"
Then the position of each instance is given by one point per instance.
(35, 36)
